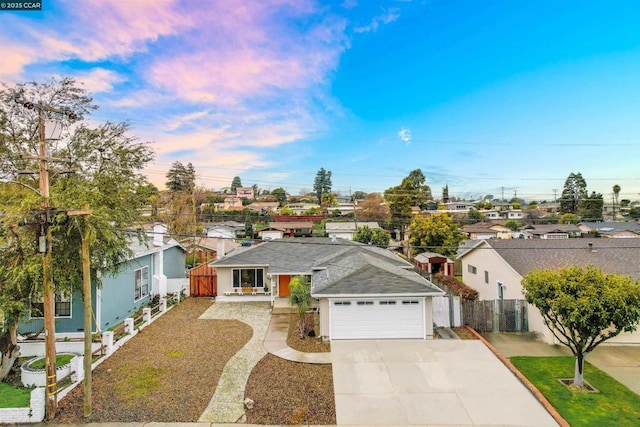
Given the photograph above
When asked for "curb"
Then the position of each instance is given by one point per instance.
(532, 388)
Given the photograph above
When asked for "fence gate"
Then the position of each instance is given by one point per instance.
(203, 281)
(447, 311)
(496, 315)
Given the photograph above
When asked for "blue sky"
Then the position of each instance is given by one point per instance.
(480, 95)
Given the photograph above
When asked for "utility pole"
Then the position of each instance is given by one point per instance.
(86, 296)
(45, 247)
(47, 282)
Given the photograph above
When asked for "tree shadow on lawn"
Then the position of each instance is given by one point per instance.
(614, 405)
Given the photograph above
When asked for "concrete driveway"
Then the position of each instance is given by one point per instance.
(428, 382)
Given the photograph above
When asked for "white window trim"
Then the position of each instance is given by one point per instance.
(135, 273)
(255, 285)
(501, 290)
(55, 296)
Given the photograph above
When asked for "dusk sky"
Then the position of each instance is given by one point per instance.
(480, 95)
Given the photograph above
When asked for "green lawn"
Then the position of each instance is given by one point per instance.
(61, 359)
(615, 405)
(11, 397)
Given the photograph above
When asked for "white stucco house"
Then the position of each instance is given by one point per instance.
(495, 268)
(361, 291)
(346, 230)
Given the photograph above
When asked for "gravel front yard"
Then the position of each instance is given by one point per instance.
(168, 372)
(309, 344)
(287, 392)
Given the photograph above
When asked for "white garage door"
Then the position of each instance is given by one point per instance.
(377, 318)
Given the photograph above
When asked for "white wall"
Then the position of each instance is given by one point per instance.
(499, 271)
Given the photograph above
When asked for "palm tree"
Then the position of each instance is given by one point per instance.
(301, 298)
(616, 193)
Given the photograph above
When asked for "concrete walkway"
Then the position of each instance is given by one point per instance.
(622, 362)
(275, 342)
(227, 403)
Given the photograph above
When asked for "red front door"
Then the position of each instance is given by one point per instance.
(283, 286)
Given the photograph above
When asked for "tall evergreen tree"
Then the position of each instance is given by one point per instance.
(322, 184)
(181, 178)
(445, 194)
(591, 207)
(575, 189)
(413, 191)
(235, 184)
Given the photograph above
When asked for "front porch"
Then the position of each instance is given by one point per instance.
(279, 305)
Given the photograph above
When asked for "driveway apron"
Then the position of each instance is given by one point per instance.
(227, 403)
(427, 382)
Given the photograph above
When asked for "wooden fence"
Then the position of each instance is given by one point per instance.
(496, 315)
(203, 281)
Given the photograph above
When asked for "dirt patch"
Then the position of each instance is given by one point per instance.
(309, 344)
(464, 333)
(168, 372)
(288, 392)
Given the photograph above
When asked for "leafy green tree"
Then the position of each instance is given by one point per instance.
(512, 224)
(358, 195)
(286, 211)
(280, 194)
(575, 189)
(591, 207)
(181, 178)
(300, 297)
(583, 307)
(108, 181)
(437, 233)
(374, 236)
(413, 191)
(322, 184)
(474, 216)
(235, 184)
(569, 218)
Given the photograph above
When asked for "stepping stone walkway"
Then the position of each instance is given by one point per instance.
(227, 403)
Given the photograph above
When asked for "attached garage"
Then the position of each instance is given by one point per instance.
(377, 318)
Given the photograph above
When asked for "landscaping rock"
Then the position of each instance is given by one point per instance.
(248, 403)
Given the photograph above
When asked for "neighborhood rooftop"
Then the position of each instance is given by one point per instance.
(620, 256)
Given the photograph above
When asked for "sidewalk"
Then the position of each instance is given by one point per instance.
(622, 362)
(275, 342)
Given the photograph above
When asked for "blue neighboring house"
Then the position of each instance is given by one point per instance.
(157, 267)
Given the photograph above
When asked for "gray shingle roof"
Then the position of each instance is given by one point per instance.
(341, 267)
(621, 256)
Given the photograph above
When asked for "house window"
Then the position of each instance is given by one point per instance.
(248, 278)
(486, 276)
(472, 269)
(501, 289)
(61, 305)
(141, 283)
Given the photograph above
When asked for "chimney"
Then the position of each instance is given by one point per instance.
(159, 231)
(220, 249)
(591, 247)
